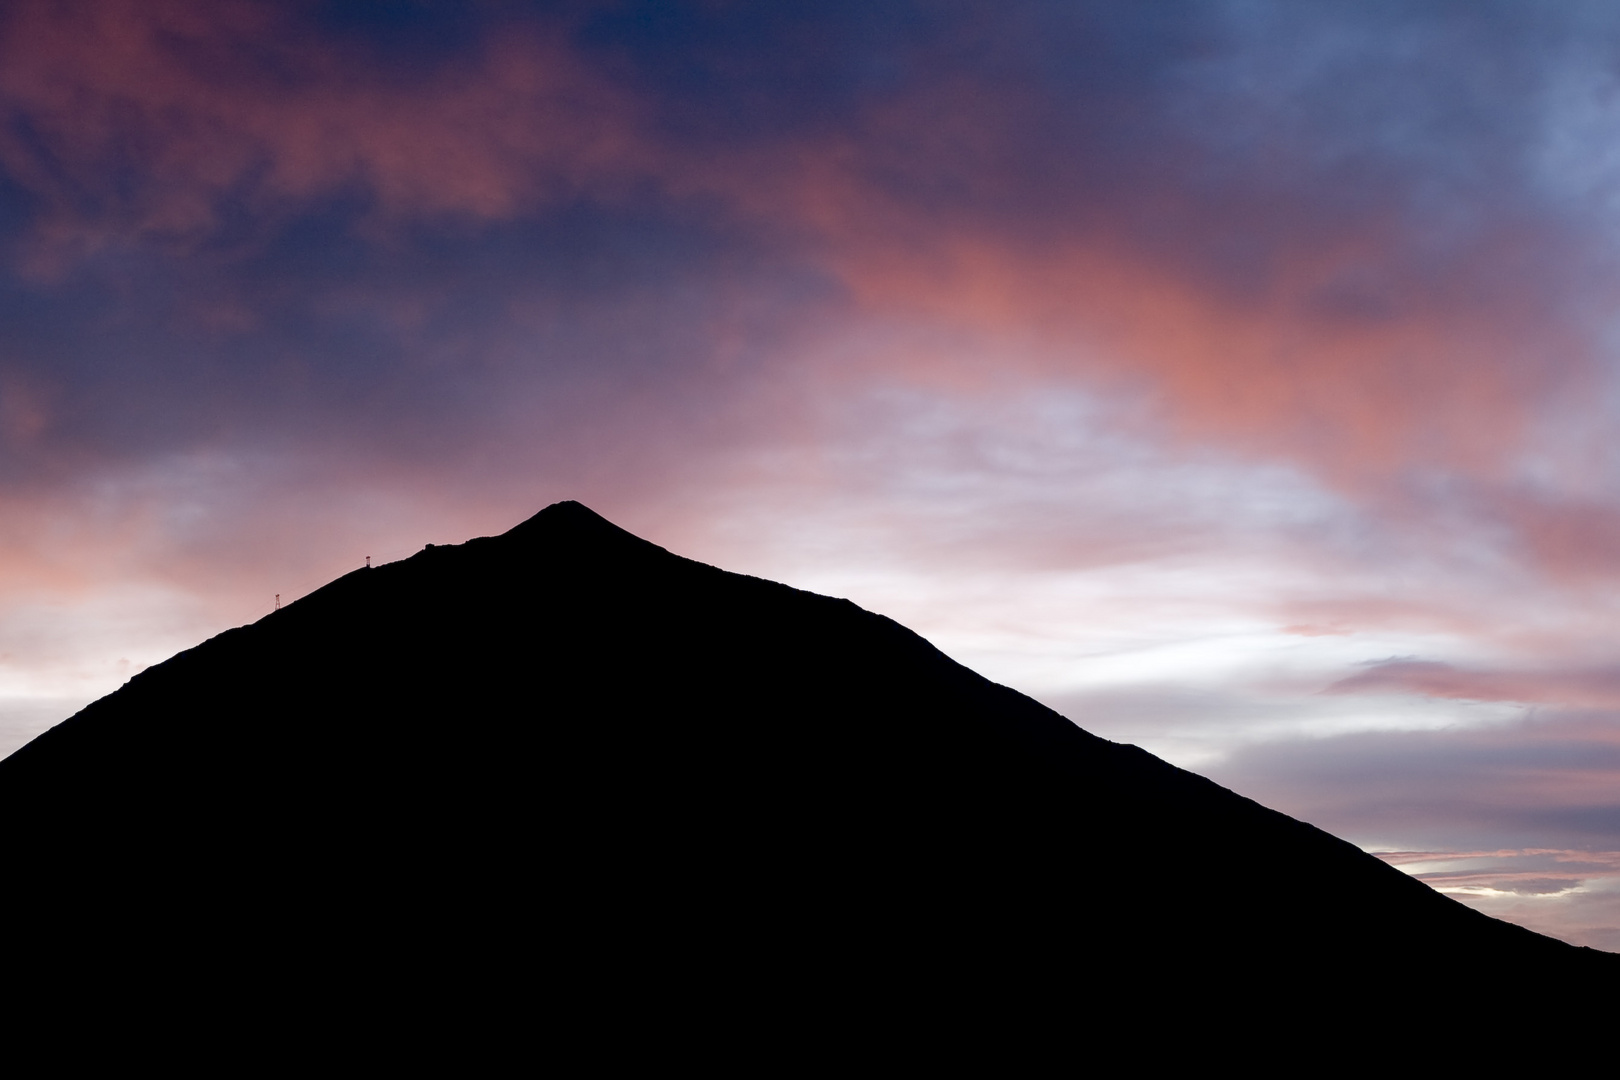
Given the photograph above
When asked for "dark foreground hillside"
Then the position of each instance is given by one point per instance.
(617, 782)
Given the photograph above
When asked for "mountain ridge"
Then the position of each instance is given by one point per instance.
(690, 769)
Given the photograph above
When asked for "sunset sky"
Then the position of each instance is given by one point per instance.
(1241, 379)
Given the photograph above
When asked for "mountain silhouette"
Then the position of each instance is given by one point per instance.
(570, 757)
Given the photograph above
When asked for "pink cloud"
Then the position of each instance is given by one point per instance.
(1350, 350)
(141, 117)
(1580, 688)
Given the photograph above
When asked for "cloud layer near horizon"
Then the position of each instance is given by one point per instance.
(1235, 376)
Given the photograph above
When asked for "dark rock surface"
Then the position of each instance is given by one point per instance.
(639, 784)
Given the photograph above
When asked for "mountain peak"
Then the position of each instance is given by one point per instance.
(565, 514)
(573, 525)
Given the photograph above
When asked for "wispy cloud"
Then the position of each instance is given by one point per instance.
(1581, 687)
(1576, 893)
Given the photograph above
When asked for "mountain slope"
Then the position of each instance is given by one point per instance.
(567, 743)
